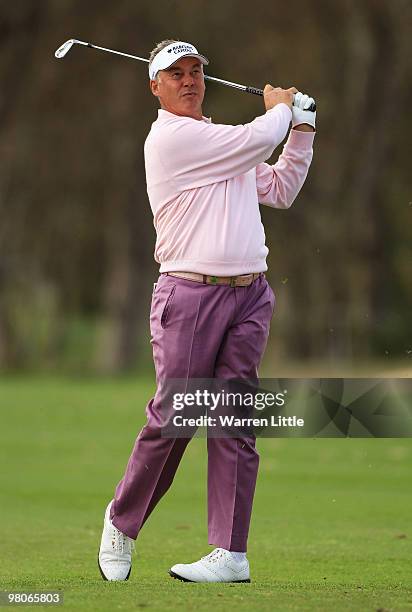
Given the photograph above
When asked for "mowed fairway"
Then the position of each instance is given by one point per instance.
(331, 528)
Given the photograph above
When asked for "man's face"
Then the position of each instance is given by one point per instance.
(181, 88)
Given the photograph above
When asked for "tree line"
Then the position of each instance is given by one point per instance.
(76, 230)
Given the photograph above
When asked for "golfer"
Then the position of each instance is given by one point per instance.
(212, 306)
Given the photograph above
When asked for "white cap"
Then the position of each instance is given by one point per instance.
(171, 54)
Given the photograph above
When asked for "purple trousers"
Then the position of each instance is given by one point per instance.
(199, 331)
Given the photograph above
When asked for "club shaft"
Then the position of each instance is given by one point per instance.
(254, 90)
(136, 57)
(246, 88)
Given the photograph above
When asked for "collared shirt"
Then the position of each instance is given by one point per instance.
(205, 182)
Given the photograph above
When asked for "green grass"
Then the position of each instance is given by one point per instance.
(331, 528)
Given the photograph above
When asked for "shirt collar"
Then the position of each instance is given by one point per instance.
(163, 114)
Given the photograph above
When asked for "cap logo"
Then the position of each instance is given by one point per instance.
(180, 49)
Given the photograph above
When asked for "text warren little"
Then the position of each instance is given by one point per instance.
(232, 421)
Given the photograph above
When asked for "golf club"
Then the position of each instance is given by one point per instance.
(65, 48)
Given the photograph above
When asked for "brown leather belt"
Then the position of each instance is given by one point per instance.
(244, 280)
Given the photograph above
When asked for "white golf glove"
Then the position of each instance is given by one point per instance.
(300, 114)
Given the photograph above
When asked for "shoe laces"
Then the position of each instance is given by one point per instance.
(215, 556)
(121, 543)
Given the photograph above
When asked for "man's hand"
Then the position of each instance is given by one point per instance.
(301, 117)
(277, 95)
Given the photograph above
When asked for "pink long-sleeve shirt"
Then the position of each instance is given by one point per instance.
(205, 182)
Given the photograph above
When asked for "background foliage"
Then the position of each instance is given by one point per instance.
(76, 231)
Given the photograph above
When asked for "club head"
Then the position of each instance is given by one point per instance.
(64, 49)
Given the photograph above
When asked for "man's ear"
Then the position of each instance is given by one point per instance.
(154, 86)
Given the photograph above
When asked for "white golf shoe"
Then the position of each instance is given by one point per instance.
(115, 554)
(218, 566)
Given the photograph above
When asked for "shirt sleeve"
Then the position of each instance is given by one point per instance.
(278, 185)
(196, 153)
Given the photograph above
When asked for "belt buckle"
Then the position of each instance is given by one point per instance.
(233, 281)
